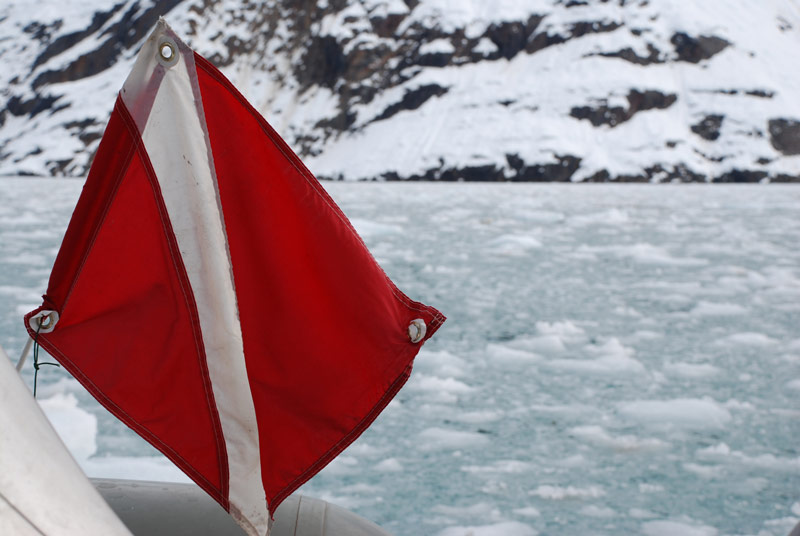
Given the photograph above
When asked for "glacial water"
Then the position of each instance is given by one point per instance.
(618, 359)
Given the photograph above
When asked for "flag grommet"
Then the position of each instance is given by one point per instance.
(167, 52)
(417, 330)
(44, 321)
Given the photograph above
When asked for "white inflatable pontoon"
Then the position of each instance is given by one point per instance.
(43, 491)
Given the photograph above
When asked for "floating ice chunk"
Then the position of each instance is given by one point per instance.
(614, 358)
(435, 384)
(503, 354)
(500, 466)
(570, 410)
(638, 513)
(704, 471)
(647, 335)
(597, 435)
(514, 244)
(559, 493)
(705, 308)
(691, 370)
(610, 364)
(508, 528)
(793, 385)
(722, 452)
(441, 363)
(482, 509)
(546, 344)
(528, 511)
(592, 510)
(739, 406)
(565, 330)
(155, 468)
(644, 487)
(747, 339)
(477, 417)
(676, 528)
(649, 254)
(342, 465)
(369, 228)
(692, 413)
(443, 438)
(612, 216)
(389, 465)
(76, 427)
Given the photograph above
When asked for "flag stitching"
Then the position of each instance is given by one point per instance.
(188, 296)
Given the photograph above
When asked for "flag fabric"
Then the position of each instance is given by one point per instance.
(213, 297)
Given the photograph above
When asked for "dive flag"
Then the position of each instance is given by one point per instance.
(213, 297)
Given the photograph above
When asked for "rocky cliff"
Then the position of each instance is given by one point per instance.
(509, 90)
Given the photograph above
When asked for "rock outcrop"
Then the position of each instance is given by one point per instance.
(520, 90)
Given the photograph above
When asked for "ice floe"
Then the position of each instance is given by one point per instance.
(507, 528)
(561, 493)
(677, 528)
(693, 413)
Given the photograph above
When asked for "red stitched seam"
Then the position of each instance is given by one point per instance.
(186, 291)
(306, 174)
(104, 213)
(343, 443)
(122, 415)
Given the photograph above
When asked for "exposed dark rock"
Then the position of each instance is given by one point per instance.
(515, 162)
(488, 172)
(413, 99)
(84, 131)
(629, 55)
(32, 106)
(600, 115)
(638, 101)
(763, 93)
(71, 39)
(782, 177)
(708, 127)
(341, 122)
(561, 171)
(543, 40)
(436, 59)
(323, 62)
(512, 37)
(655, 173)
(739, 175)
(784, 135)
(679, 172)
(43, 32)
(696, 49)
(386, 26)
(122, 35)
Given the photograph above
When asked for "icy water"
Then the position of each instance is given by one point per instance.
(618, 359)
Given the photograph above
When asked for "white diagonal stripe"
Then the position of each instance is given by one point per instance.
(176, 141)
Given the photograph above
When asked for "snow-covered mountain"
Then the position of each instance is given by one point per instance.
(525, 90)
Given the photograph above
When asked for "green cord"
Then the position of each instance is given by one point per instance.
(36, 363)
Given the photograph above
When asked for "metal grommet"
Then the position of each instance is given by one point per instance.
(417, 330)
(167, 52)
(44, 321)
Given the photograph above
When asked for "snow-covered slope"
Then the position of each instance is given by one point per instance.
(438, 89)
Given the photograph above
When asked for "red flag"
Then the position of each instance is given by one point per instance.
(211, 295)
